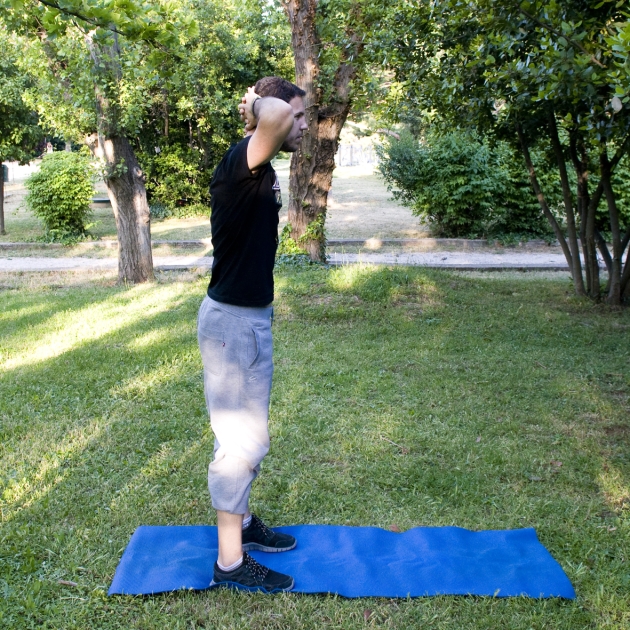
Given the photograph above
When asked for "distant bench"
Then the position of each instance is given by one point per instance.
(101, 201)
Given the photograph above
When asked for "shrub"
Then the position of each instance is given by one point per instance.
(160, 210)
(176, 179)
(60, 194)
(462, 186)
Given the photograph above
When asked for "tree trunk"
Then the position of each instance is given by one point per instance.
(614, 282)
(127, 194)
(541, 197)
(576, 268)
(603, 250)
(313, 163)
(587, 217)
(123, 176)
(2, 231)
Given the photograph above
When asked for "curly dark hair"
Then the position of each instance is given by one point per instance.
(278, 87)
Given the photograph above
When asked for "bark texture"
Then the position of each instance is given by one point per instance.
(313, 164)
(127, 194)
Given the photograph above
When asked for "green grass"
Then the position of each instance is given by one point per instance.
(401, 397)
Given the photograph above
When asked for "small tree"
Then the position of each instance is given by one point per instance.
(60, 194)
(89, 57)
(537, 72)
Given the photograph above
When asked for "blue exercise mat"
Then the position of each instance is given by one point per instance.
(356, 562)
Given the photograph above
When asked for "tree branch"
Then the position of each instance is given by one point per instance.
(109, 27)
(559, 34)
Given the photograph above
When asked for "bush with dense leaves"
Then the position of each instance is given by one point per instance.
(60, 194)
(463, 186)
(177, 183)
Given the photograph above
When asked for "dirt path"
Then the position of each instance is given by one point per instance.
(360, 206)
(446, 260)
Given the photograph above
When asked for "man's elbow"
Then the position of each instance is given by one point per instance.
(275, 111)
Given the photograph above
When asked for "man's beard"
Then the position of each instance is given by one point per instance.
(289, 148)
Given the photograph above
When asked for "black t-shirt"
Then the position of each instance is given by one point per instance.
(244, 221)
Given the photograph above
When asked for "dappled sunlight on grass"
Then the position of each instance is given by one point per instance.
(150, 338)
(25, 487)
(615, 488)
(149, 489)
(402, 397)
(380, 284)
(55, 335)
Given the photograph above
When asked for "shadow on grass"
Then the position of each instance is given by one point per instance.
(375, 420)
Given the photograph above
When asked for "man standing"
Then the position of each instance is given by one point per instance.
(234, 327)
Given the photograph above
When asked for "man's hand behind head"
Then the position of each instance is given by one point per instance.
(246, 109)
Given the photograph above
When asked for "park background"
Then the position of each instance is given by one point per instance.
(403, 396)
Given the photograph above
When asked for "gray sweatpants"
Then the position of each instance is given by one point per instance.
(237, 353)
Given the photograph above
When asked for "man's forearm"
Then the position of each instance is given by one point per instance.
(268, 109)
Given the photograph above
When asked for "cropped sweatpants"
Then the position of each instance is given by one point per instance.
(237, 353)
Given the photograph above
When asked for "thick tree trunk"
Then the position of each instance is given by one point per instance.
(127, 194)
(2, 231)
(123, 175)
(313, 164)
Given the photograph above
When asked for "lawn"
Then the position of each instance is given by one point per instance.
(402, 397)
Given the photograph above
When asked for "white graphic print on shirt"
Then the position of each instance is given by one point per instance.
(277, 191)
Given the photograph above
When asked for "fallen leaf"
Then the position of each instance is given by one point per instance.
(478, 439)
(555, 463)
(367, 613)
(394, 528)
(67, 583)
(612, 529)
(533, 478)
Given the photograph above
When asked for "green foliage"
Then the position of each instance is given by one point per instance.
(316, 232)
(19, 129)
(289, 253)
(190, 115)
(552, 75)
(621, 186)
(286, 245)
(175, 179)
(136, 20)
(462, 186)
(162, 211)
(60, 194)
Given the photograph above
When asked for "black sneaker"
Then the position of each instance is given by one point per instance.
(258, 537)
(252, 576)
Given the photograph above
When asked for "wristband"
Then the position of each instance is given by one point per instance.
(254, 103)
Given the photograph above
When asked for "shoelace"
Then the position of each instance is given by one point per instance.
(257, 570)
(265, 530)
